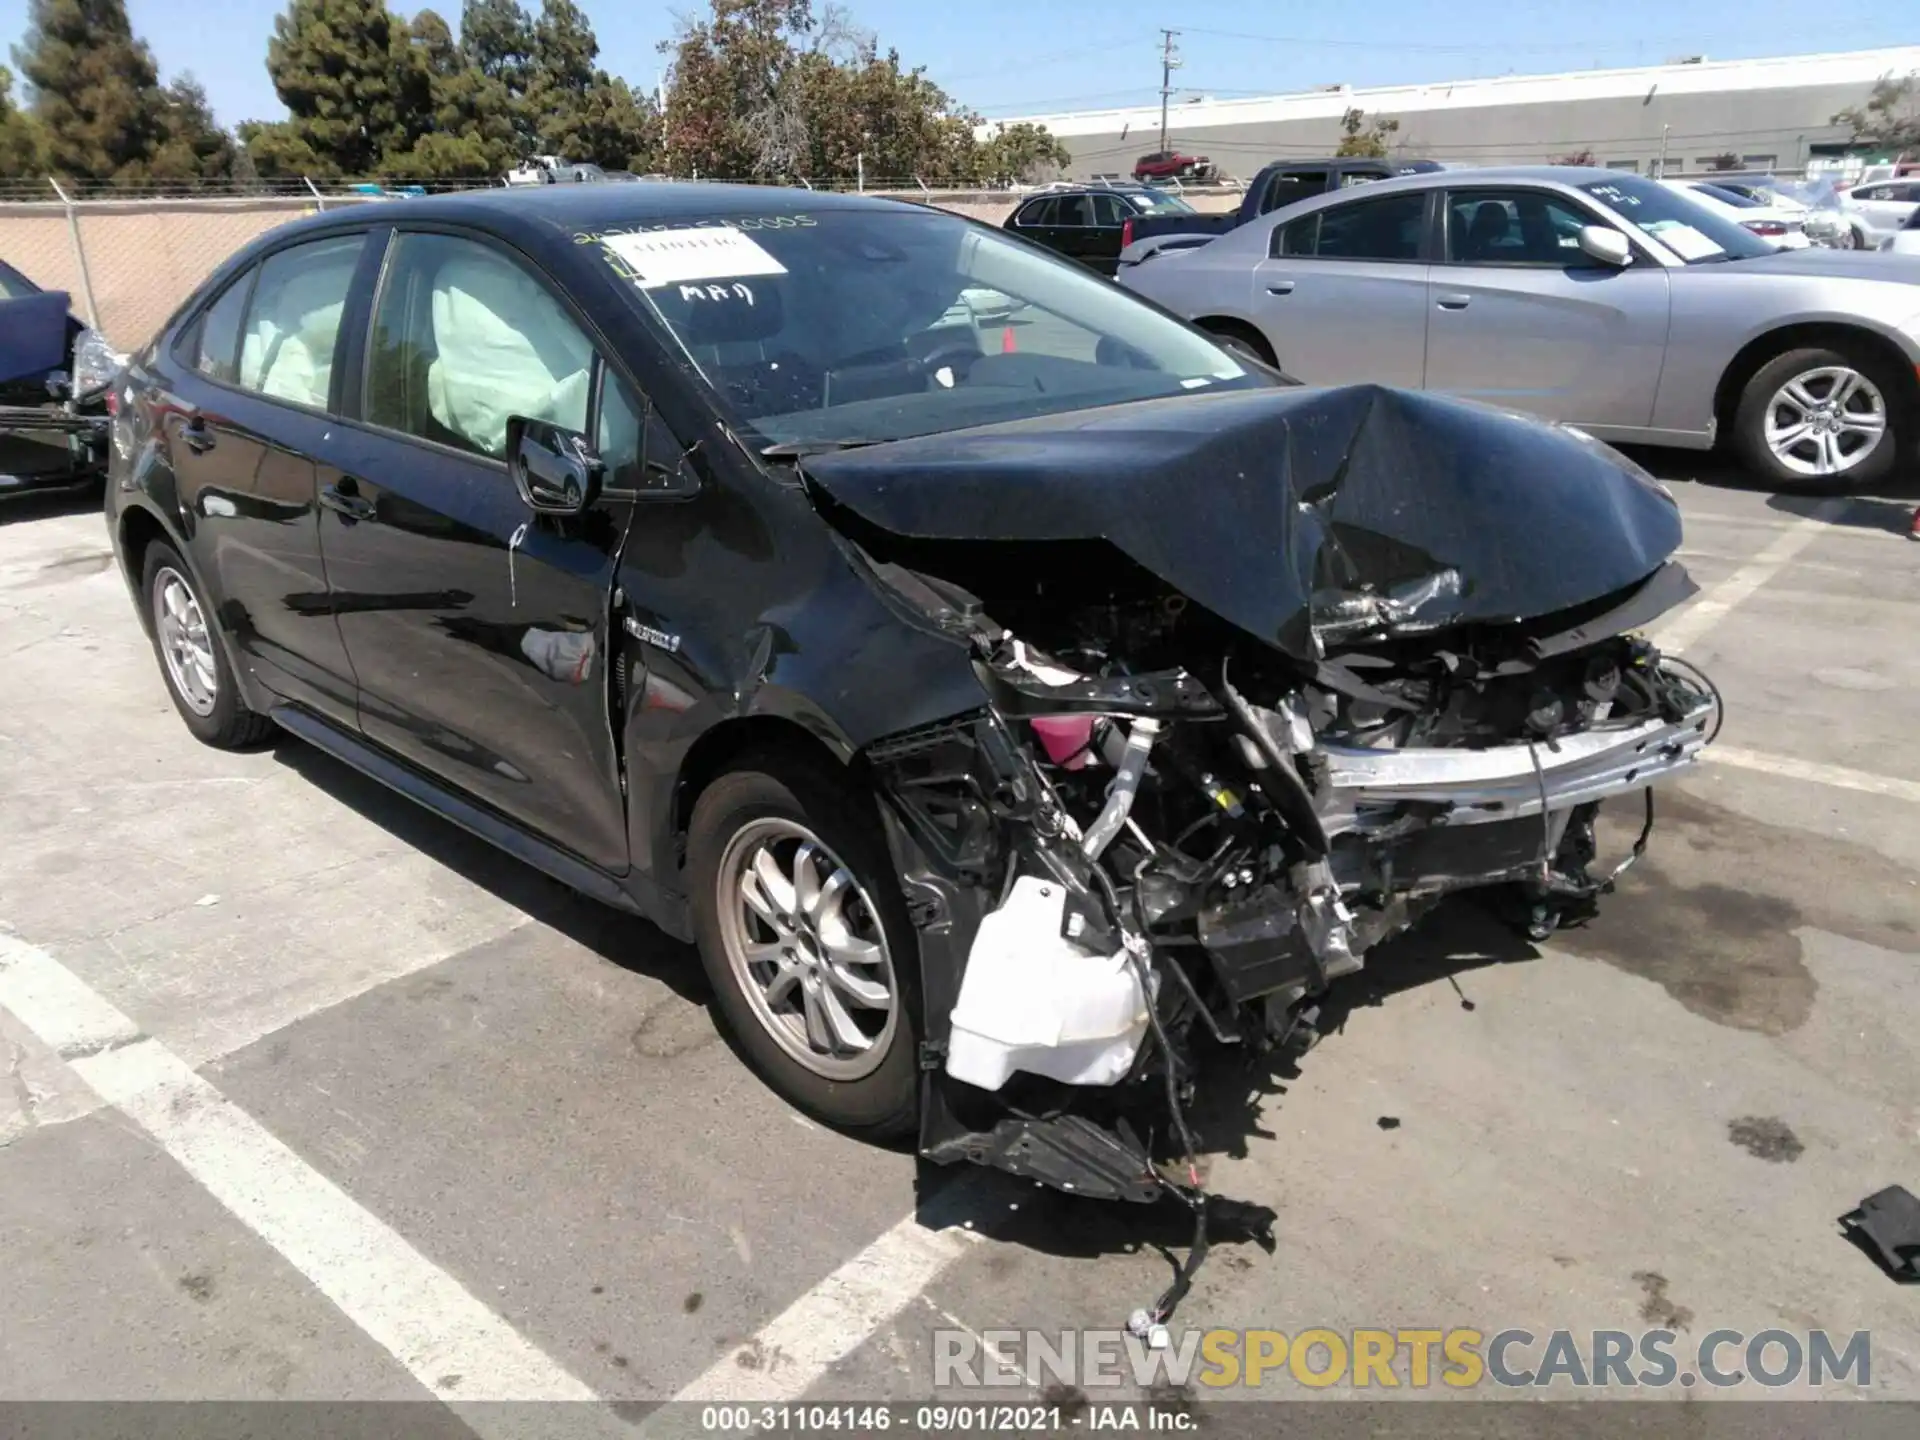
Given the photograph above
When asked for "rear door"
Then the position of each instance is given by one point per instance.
(1110, 215)
(1073, 228)
(477, 629)
(1034, 221)
(1343, 293)
(1520, 316)
(255, 381)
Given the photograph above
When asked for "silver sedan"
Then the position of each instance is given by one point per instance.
(1592, 297)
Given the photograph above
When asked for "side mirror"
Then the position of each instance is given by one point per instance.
(1606, 245)
(555, 470)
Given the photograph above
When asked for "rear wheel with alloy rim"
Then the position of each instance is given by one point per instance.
(1821, 417)
(192, 660)
(804, 935)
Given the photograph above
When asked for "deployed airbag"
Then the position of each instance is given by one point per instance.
(503, 347)
(1280, 509)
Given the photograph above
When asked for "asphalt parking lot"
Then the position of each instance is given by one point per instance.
(317, 1098)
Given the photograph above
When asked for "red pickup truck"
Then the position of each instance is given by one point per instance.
(1172, 165)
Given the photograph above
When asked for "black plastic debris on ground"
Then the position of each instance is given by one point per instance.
(1887, 1227)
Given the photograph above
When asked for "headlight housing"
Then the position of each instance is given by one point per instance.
(95, 363)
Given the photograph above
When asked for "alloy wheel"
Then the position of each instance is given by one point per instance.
(805, 944)
(1826, 421)
(186, 647)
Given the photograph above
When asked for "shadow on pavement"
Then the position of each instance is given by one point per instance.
(625, 940)
(19, 507)
(1888, 507)
(1239, 1095)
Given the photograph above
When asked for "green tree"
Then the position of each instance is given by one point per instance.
(1020, 152)
(274, 149)
(1890, 120)
(333, 67)
(455, 120)
(20, 144)
(496, 41)
(1577, 157)
(194, 147)
(96, 91)
(1368, 141)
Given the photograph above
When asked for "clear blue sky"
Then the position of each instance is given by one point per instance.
(1006, 57)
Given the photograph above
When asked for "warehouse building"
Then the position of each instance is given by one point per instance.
(1774, 114)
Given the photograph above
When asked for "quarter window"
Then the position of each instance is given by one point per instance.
(1514, 227)
(462, 339)
(213, 344)
(1384, 228)
(293, 320)
(1040, 212)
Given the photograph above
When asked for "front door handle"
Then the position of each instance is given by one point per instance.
(1455, 301)
(1280, 287)
(195, 434)
(350, 505)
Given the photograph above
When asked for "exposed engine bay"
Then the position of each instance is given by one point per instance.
(1171, 829)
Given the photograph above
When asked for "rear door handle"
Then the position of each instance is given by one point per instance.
(195, 434)
(1455, 301)
(350, 506)
(1280, 287)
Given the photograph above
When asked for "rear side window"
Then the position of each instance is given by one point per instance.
(1291, 185)
(13, 285)
(293, 320)
(1040, 212)
(462, 339)
(212, 344)
(1074, 210)
(1387, 228)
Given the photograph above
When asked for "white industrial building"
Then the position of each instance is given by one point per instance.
(1772, 114)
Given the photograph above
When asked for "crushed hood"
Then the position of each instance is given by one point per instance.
(1287, 510)
(34, 336)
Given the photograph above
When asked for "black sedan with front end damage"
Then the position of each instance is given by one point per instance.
(54, 373)
(1001, 704)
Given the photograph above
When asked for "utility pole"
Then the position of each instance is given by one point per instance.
(1169, 62)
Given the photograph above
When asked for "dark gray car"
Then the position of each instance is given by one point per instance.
(1592, 297)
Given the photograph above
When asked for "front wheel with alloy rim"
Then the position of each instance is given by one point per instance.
(1822, 417)
(192, 661)
(804, 935)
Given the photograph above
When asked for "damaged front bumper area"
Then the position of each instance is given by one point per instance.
(1114, 869)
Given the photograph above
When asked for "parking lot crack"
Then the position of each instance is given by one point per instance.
(24, 1094)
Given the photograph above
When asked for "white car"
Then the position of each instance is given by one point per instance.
(1905, 241)
(1876, 212)
(1779, 226)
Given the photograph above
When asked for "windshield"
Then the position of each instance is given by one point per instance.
(1153, 202)
(857, 326)
(1686, 227)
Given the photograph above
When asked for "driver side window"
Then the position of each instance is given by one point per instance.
(462, 339)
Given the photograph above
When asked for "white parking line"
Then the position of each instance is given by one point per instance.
(1691, 625)
(448, 1340)
(836, 1317)
(1796, 769)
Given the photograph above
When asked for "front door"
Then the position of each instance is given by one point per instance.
(477, 629)
(1343, 294)
(1522, 317)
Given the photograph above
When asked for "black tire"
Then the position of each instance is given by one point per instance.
(1749, 439)
(881, 1105)
(227, 723)
(1242, 342)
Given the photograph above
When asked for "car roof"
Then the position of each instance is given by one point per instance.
(573, 208)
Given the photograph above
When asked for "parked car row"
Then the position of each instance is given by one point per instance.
(1618, 304)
